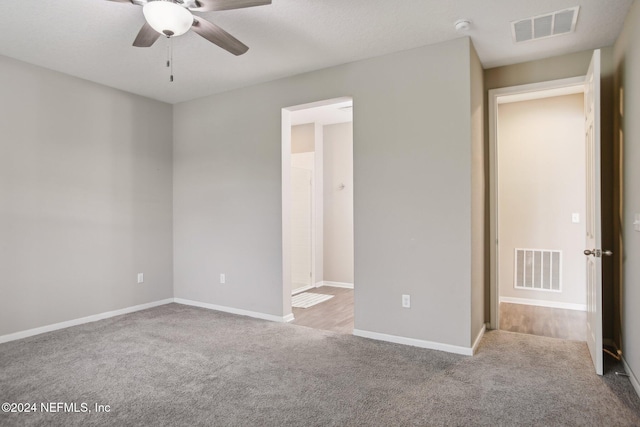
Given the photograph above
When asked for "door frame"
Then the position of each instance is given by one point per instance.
(317, 246)
(517, 93)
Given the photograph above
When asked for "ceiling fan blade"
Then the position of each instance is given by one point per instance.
(218, 36)
(209, 5)
(146, 37)
(121, 1)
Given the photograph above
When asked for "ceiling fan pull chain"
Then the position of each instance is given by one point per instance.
(170, 57)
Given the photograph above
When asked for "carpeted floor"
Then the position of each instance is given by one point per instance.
(179, 365)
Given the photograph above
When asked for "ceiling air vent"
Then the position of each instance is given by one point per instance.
(544, 26)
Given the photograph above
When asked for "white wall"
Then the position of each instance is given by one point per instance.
(302, 167)
(541, 170)
(338, 203)
(412, 188)
(85, 198)
(305, 139)
(627, 60)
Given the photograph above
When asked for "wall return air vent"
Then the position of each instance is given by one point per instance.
(545, 26)
(538, 269)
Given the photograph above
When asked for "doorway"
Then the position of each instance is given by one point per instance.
(538, 208)
(317, 194)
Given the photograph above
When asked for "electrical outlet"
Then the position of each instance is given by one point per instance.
(140, 278)
(406, 301)
(223, 279)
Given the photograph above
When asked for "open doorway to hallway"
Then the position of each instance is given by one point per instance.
(541, 199)
(318, 221)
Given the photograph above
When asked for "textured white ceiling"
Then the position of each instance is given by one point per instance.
(92, 39)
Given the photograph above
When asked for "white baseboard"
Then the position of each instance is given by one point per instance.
(542, 303)
(335, 284)
(300, 290)
(632, 377)
(288, 318)
(476, 343)
(467, 351)
(54, 327)
(232, 310)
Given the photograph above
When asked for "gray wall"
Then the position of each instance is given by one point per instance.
(85, 198)
(412, 133)
(478, 189)
(554, 68)
(627, 62)
(338, 203)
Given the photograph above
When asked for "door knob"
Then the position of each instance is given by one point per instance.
(597, 252)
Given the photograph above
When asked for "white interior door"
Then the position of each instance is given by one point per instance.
(593, 252)
(301, 229)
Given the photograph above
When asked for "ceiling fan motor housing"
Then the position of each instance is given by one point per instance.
(167, 17)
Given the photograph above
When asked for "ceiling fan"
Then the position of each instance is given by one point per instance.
(173, 18)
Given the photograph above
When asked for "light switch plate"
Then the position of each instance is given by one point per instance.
(575, 218)
(636, 222)
(140, 278)
(406, 301)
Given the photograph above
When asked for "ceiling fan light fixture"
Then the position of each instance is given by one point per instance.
(167, 17)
